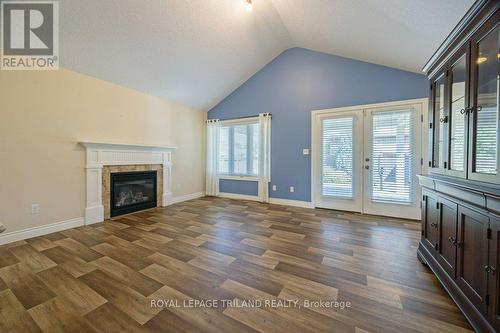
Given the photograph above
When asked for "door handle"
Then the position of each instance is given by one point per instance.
(490, 269)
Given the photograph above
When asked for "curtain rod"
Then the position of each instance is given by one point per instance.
(254, 116)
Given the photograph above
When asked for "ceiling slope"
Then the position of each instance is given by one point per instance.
(395, 33)
(190, 51)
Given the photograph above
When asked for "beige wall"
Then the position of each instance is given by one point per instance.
(44, 115)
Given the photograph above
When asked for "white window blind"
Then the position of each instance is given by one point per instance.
(486, 140)
(337, 157)
(487, 112)
(239, 150)
(391, 158)
(457, 138)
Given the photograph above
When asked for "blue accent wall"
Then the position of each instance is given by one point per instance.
(295, 83)
(238, 186)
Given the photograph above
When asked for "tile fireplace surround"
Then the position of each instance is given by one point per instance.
(103, 158)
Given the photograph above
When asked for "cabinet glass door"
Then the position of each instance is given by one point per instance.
(439, 123)
(458, 104)
(484, 113)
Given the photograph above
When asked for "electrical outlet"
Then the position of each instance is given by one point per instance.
(274, 187)
(292, 189)
(305, 151)
(35, 208)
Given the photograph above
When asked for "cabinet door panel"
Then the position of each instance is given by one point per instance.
(457, 115)
(430, 221)
(447, 250)
(484, 122)
(494, 276)
(473, 255)
(439, 114)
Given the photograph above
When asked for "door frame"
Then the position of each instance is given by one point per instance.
(315, 134)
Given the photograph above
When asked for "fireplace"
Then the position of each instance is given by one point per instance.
(132, 191)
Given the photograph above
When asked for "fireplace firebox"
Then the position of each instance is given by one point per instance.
(132, 191)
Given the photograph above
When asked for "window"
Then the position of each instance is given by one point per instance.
(392, 156)
(337, 157)
(239, 149)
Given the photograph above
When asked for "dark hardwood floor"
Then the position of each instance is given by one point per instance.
(104, 278)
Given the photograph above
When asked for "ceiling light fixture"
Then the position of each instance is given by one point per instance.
(248, 5)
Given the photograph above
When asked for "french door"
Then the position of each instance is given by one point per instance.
(366, 159)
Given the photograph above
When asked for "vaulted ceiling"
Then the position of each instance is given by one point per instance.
(196, 52)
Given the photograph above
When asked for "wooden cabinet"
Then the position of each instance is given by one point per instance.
(473, 255)
(464, 113)
(461, 196)
(461, 244)
(448, 242)
(494, 274)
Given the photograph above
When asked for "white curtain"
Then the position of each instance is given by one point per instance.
(212, 180)
(265, 156)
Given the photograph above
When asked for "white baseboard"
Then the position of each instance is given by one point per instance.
(289, 202)
(187, 197)
(238, 196)
(94, 214)
(14, 236)
(276, 201)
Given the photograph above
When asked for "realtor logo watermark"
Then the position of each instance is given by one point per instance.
(29, 35)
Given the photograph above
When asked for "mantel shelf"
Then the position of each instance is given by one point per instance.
(124, 146)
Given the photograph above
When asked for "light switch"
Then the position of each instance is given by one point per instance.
(305, 151)
(35, 208)
(292, 189)
(274, 187)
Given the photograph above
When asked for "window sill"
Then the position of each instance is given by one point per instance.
(247, 178)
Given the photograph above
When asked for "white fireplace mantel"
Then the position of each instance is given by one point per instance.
(99, 154)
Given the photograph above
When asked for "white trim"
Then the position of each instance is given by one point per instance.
(316, 113)
(14, 236)
(369, 106)
(121, 146)
(275, 201)
(99, 154)
(293, 203)
(187, 197)
(235, 177)
(238, 196)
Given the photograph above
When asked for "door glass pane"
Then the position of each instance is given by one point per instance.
(439, 113)
(337, 157)
(486, 126)
(391, 158)
(457, 139)
(240, 150)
